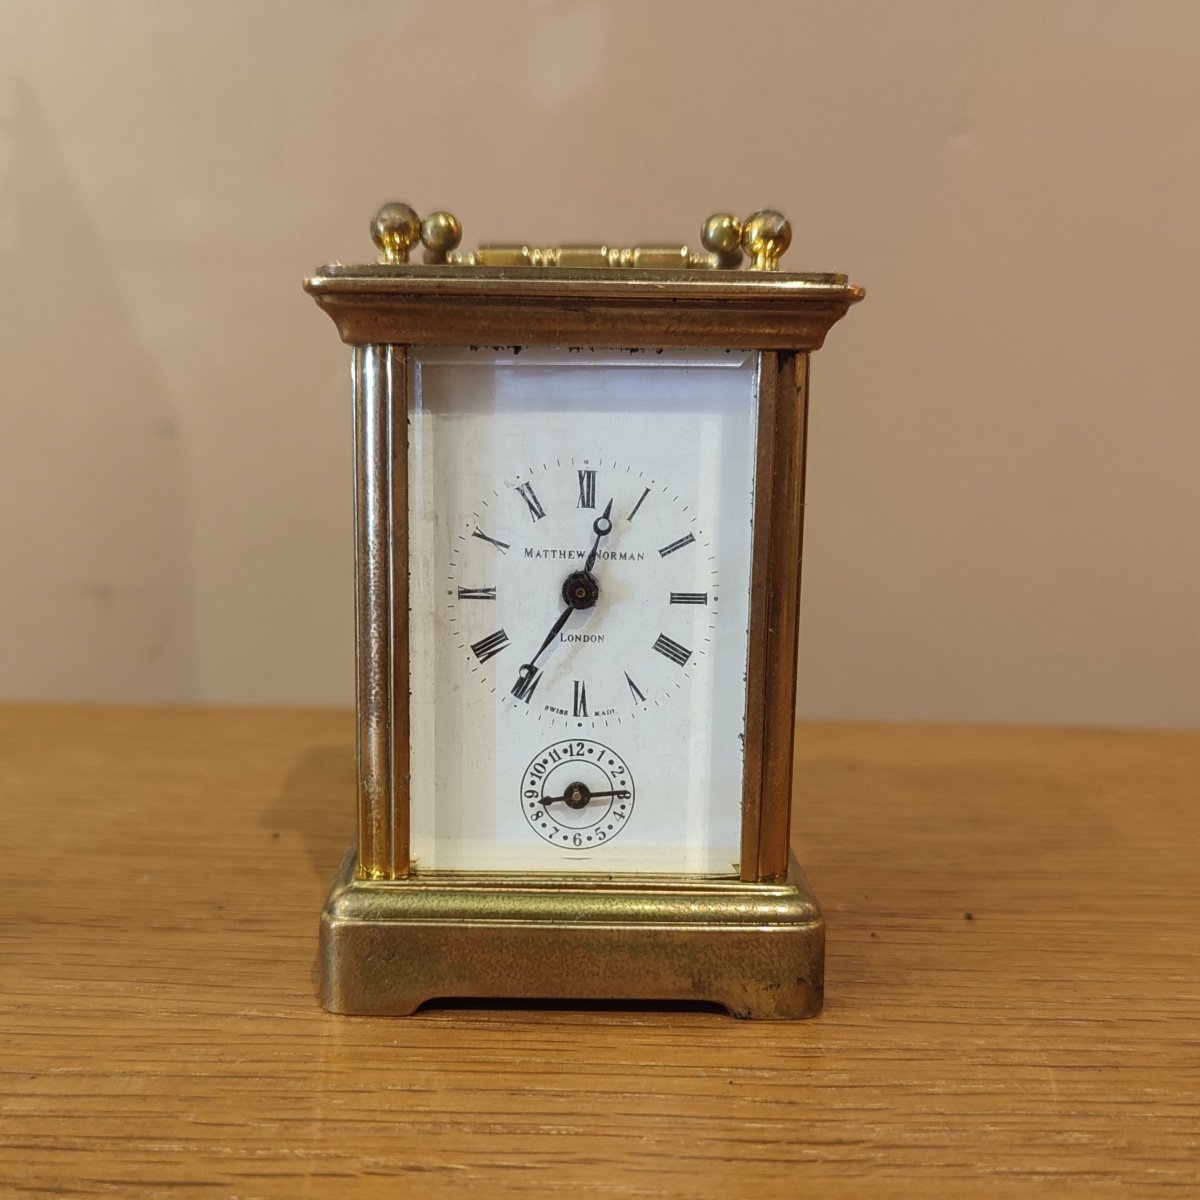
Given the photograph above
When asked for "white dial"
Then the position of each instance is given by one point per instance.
(579, 539)
(606, 563)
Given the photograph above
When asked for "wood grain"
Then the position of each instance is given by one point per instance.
(1012, 997)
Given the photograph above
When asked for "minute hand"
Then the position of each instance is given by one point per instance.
(554, 632)
(601, 527)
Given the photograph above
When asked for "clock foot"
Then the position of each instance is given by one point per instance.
(756, 949)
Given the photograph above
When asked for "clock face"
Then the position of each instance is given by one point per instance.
(579, 544)
(604, 541)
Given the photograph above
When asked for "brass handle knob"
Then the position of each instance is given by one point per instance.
(764, 235)
(722, 235)
(440, 234)
(395, 231)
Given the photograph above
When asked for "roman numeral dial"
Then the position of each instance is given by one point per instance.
(582, 592)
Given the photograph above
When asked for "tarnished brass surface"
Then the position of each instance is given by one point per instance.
(774, 614)
(389, 946)
(381, 609)
(447, 305)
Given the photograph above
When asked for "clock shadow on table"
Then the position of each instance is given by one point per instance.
(464, 1004)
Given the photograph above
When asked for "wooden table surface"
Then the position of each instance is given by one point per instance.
(1013, 1002)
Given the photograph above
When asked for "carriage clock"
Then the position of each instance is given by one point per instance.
(578, 499)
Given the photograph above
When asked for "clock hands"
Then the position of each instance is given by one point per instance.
(579, 590)
(601, 527)
(577, 795)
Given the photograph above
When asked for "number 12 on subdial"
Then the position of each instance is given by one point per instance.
(583, 593)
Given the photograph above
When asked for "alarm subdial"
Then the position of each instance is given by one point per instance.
(577, 794)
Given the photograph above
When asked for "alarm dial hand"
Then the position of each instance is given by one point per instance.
(577, 795)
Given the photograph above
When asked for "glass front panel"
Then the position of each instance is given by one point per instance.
(580, 539)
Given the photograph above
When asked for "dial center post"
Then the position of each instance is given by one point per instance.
(580, 590)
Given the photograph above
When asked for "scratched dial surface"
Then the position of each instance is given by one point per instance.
(580, 527)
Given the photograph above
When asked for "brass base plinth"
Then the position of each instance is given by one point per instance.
(757, 949)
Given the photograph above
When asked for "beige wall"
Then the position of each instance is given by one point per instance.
(1004, 490)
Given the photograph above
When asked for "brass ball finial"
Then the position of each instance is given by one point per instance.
(766, 235)
(395, 231)
(440, 233)
(722, 234)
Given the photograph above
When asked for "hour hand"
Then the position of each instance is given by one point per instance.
(601, 527)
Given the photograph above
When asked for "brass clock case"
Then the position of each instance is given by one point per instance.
(392, 937)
